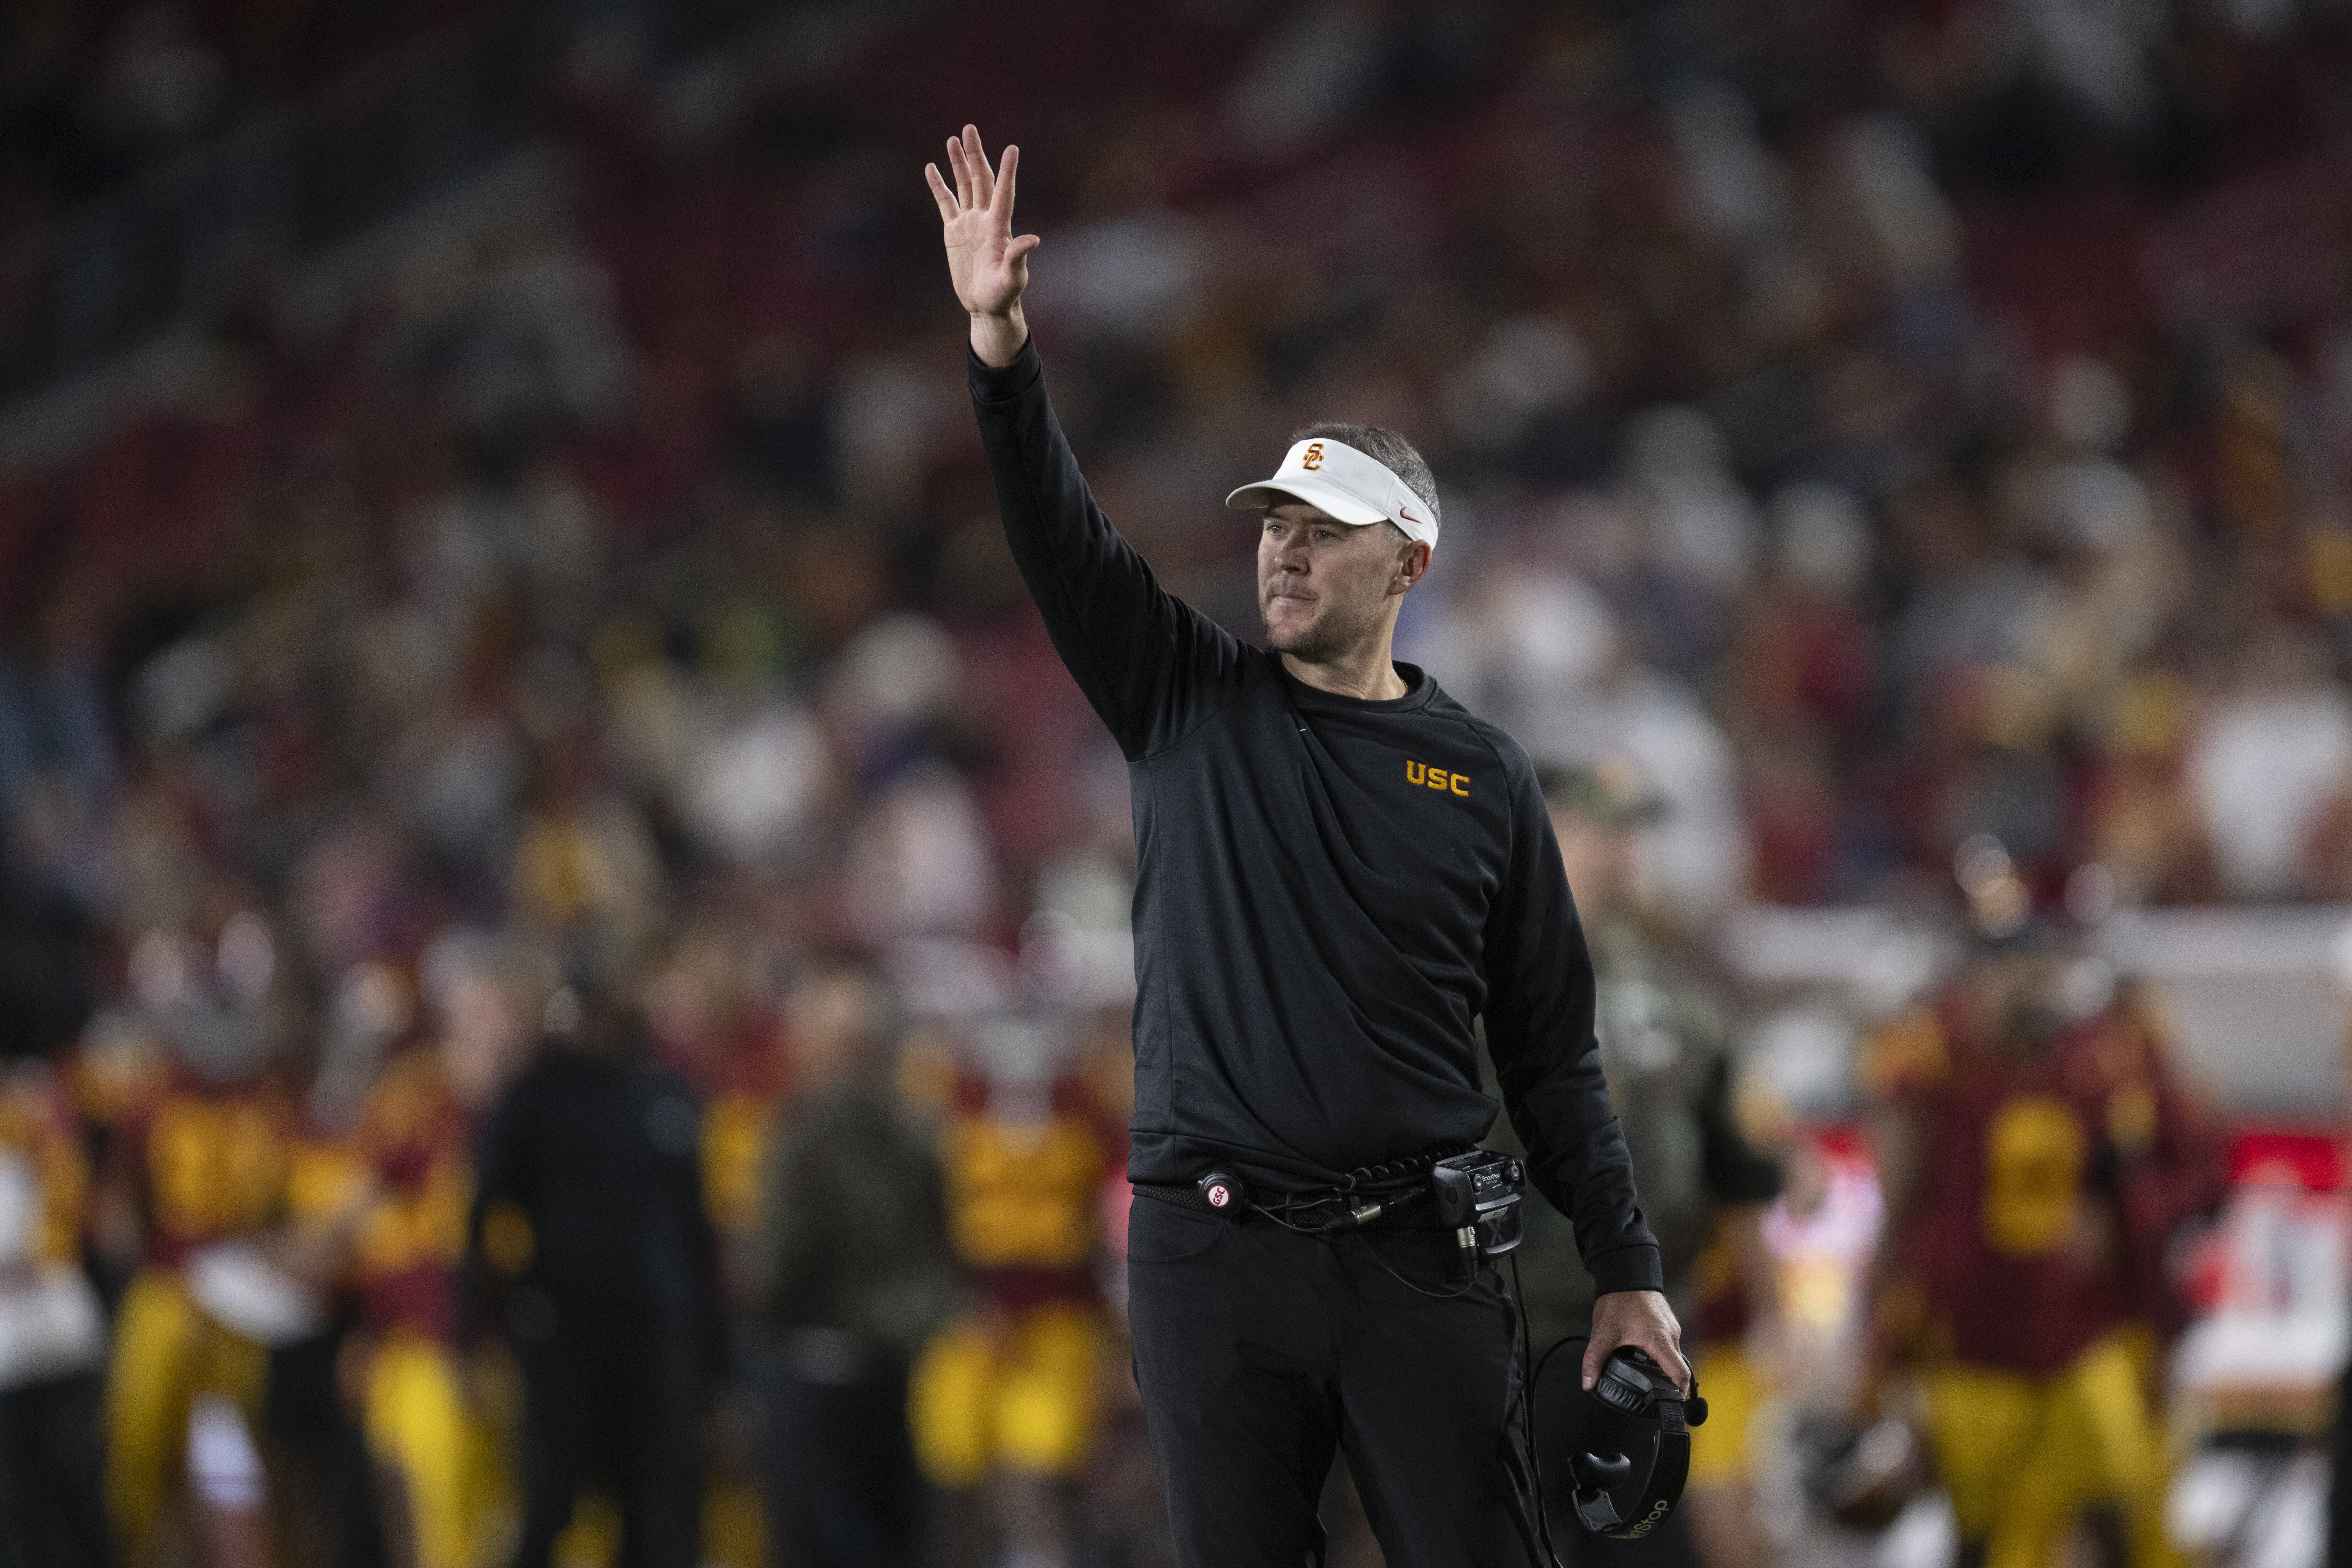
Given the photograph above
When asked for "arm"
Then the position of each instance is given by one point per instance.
(2178, 1180)
(1150, 665)
(1538, 1016)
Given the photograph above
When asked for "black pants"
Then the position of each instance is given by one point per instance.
(842, 1489)
(1259, 1350)
(52, 1464)
(622, 1410)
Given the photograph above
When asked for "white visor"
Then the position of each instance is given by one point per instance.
(1345, 483)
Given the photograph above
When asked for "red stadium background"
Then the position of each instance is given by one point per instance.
(484, 489)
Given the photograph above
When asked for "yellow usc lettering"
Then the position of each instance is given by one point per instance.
(1437, 779)
(1312, 457)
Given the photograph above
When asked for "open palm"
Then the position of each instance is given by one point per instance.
(989, 266)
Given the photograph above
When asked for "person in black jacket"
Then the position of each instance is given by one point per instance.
(590, 1245)
(1343, 874)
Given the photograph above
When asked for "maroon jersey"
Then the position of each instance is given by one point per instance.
(2049, 1182)
(414, 1139)
(210, 1161)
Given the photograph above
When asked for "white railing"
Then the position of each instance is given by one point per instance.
(2257, 995)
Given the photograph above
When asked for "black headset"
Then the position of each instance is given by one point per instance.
(1618, 1452)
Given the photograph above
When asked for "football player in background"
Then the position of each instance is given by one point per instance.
(202, 1159)
(1004, 1394)
(2037, 1155)
(437, 1410)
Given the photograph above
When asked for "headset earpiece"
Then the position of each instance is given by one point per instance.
(1624, 1445)
(1595, 1474)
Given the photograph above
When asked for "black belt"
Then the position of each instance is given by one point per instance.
(1310, 1210)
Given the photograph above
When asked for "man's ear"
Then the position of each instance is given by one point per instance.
(1412, 561)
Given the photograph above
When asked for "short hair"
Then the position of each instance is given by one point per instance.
(1386, 448)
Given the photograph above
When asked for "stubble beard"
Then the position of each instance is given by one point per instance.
(1324, 638)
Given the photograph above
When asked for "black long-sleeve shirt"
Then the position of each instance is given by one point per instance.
(1330, 891)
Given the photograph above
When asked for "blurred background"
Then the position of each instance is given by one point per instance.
(563, 953)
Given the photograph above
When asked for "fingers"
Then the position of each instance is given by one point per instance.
(963, 167)
(1663, 1351)
(1022, 246)
(1667, 1352)
(976, 184)
(1007, 166)
(1656, 1333)
(1676, 1367)
(984, 180)
(940, 193)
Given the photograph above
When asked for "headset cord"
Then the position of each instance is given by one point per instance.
(1468, 1286)
(1318, 1234)
(1527, 1418)
(1256, 1208)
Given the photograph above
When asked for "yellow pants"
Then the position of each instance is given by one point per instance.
(1729, 1382)
(166, 1353)
(2023, 1456)
(1024, 1400)
(451, 1467)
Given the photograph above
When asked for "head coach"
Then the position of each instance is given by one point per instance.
(1341, 872)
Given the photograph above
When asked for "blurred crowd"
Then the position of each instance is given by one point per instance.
(577, 667)
(94, 93)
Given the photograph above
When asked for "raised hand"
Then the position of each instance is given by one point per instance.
(988, 264)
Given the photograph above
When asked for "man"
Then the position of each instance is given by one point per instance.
(1340, 873)
(2037, 1158)
(589, 1229)
(1664, 1045)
